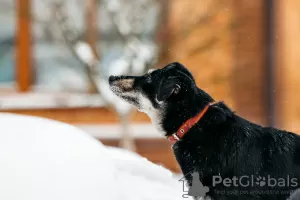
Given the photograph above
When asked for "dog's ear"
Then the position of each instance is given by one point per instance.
(167, 87)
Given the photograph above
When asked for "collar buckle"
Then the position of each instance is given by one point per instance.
(175, 136)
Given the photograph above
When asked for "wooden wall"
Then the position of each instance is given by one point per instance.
(201, 39)
(287, 68)
(222, 43)
(248, 80)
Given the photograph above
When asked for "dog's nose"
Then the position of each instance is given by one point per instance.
(111, 79)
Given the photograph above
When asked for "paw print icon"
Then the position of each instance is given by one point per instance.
(261, 181)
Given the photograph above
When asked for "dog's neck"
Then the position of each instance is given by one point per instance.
(213, 118)
(175, 115)
(189, 124)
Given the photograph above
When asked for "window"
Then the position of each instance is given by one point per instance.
(55, 37)
(56, 69)
(7, 43)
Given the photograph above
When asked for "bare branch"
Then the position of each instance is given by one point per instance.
(130, 40)
(69, 36)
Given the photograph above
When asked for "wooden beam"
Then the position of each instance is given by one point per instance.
(80, 115)
(23, 50)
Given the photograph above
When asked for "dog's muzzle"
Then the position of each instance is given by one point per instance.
(123, 86)
(120, 83)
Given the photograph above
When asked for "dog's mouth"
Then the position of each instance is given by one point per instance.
(123, 87)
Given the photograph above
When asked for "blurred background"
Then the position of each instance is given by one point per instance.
(56, 56)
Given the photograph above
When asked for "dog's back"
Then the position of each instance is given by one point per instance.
(230, 147)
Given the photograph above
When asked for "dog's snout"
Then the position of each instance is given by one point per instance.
(111, 79)
(123, 83)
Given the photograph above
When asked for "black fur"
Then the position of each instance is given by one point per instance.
(221, 143)
(295, 195)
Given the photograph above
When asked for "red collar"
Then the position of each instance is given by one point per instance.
(184, 128)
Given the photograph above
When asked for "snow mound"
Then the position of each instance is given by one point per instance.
(140, 179)
(44, 159)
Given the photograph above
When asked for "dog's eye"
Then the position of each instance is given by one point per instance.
(177, 89)
(148, 78)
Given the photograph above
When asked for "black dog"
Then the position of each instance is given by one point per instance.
(235, 158)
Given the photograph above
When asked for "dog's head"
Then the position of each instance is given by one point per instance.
(158, 92)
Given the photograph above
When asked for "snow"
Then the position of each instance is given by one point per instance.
(147, 180)
(118, 67)
(45, 159)
(114, 131)
(85, 52)
(113, 5)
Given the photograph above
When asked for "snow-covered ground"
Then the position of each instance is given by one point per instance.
(45, 159)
